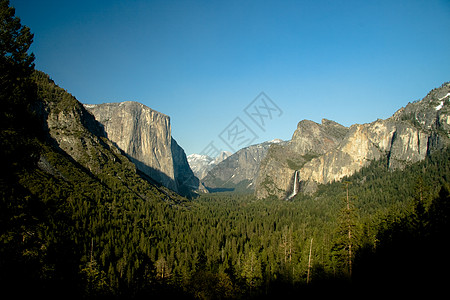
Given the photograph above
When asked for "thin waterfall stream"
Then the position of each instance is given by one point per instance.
(295, 187)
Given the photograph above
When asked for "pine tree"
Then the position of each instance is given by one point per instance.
(163, 270)
(23, 244)
(16, 65)
(17, 94)
(344, 245)
(251, 270)
(95, 279)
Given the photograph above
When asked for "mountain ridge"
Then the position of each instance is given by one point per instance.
(238, 171)
(406, 137)
(201, 164)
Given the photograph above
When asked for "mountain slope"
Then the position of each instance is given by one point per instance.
(239, 170)
(75, 189)
(406, 137)
(202, 164)
(71, 131)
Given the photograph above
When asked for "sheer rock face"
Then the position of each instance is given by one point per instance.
(310, 137)
(310, 140)
(185, 179)
(145, 136)
(365, 143)
(328, 152)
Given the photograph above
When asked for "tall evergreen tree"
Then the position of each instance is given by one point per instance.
(344, 244)
(251, 269)
(16, 64)
(17, 92)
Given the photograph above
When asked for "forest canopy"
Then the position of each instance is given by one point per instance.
(74, 232)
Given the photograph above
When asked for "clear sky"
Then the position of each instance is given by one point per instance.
(204, 62)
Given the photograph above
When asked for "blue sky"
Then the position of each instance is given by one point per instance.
(204, 62)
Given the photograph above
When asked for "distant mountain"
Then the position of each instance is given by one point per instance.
(201, 164)
(238, 171)
(328, 152)
(145, 136)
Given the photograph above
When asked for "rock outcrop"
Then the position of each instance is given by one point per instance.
(72, 130)
(238, 171)
(145, 136)
(310, 140)
(324, 153)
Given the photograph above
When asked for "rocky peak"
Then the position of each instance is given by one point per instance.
(328, 152)
(430, 113)
(145, 136)
(222, 156)
(313, 138)
(201, 164)
(310, 140)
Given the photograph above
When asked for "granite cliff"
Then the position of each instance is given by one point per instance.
(310, 140)
(322, 153)
(75, 151)
(145, 136)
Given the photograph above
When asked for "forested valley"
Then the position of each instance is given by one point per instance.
(69, 231)
(90, 240)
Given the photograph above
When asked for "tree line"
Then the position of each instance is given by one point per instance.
(67, 231)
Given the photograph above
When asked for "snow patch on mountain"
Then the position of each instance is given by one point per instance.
(448, 94)
(201, 164)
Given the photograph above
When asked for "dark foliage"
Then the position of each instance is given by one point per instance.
(70, 231)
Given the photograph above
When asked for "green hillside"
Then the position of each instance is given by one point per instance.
(78, 221)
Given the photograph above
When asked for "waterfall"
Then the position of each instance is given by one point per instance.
(295, 188)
